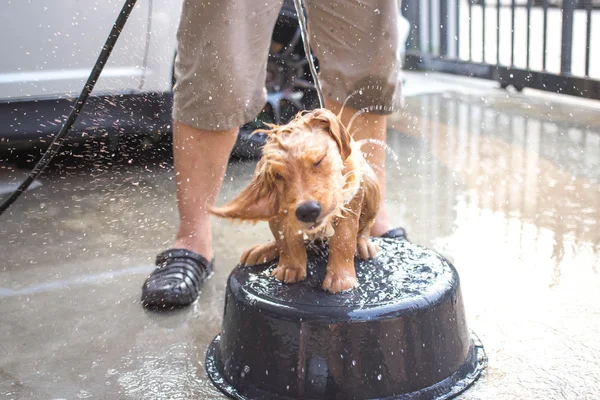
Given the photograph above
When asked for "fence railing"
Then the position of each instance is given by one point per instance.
(540, 44)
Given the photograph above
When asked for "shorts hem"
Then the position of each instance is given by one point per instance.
(217, 121)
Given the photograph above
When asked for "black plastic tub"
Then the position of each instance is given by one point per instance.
(401, 335)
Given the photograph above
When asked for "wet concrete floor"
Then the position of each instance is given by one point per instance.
(506, 185)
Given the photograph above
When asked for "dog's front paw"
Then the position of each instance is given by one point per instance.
(260, 254)
(288, 273)
(336, 282)
(365, 248)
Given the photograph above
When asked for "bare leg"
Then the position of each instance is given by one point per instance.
(200, 164)
(369, 126)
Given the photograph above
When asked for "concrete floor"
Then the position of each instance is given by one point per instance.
(506, 185)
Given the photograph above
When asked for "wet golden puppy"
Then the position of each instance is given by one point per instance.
(312, 181)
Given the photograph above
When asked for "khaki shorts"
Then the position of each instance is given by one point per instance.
(223, 47)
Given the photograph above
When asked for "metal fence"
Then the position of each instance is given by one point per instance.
(549, 45)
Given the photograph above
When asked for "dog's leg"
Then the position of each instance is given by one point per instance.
(365, 248)
(260, 254)
(340, 273)
(292, 254)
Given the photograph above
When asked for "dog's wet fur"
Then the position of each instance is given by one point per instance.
(312, 181)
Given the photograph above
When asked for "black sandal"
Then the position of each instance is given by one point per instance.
(396, 233)
(177, 280)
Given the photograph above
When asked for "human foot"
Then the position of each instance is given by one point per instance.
(177, 280)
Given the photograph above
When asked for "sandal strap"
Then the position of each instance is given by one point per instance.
(166, 255)
(180, 272)
(183, 263)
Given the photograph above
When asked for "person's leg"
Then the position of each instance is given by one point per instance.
(200, 162)
(358, 47)
(200, 158)
(220, 71)
(369, 126)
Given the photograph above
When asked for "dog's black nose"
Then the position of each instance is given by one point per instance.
(309, 211)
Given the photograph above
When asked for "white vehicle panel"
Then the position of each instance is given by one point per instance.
(162, 45)
(49, 47)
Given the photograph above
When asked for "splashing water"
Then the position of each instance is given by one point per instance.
(383, 280)
(359, 91)
(387, 149)
(371, 108)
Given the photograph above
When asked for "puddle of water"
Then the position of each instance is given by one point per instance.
(511, 194)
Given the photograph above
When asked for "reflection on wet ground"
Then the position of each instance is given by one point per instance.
(506, 186)
(519, 217)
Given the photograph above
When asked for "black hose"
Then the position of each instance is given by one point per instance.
(87, 89)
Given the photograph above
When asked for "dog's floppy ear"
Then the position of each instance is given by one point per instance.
(257, 202)
(336, 129)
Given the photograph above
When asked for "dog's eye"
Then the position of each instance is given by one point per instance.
(319, 162)
(278, 177)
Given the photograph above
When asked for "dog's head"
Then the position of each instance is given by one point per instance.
(301, 176)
